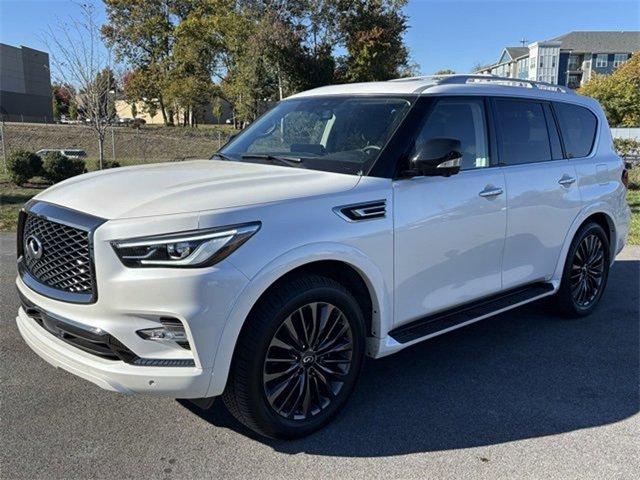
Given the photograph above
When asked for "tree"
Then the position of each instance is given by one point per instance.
(62, 98)
(216, 109)
(372, 32)
(618, 93)
(141, 32)
(81, 60)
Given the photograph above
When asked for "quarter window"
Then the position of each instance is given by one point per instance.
(522, 129)
(578, 129)
(461, 119)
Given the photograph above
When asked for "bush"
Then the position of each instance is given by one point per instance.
(23, 165)
(626, 147)
(57, 167)
(95, 164)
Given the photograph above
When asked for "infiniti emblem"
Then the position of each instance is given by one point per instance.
(34, 247)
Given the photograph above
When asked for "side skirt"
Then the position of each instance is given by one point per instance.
(469, 313)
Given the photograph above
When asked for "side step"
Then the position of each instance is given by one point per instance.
(468, 312)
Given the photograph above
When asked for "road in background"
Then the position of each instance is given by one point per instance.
(521, 395)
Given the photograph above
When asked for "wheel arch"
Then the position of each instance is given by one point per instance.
(342, 263)
(597, 214)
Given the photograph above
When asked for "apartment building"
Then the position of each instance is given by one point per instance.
(569, 59)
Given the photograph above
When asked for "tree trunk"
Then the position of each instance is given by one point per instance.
(101, 150)
(164, 113)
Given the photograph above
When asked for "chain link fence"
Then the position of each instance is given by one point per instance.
(124, 144)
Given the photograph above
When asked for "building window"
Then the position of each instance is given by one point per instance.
(532, 65)
(553, 61)
(601, 60)
(541, 62)
(619, 59)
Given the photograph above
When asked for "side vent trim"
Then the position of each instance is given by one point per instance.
(359, 212)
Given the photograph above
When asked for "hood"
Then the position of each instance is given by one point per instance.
(181, 187)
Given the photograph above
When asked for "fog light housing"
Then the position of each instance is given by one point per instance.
(171, 331)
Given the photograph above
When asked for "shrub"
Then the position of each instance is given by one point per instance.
(57, 167)
(627, 147)
(23, 165)
(95, 164)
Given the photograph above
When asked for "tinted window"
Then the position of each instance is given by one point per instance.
(578, 128)
(522, 132)
(461, 119)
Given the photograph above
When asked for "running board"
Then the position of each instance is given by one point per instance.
(468, 313)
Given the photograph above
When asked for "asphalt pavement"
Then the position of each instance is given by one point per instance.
(522, 395)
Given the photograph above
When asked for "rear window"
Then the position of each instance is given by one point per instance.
(578, 129)
(522, 130)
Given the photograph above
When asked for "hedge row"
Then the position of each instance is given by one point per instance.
(53, 166)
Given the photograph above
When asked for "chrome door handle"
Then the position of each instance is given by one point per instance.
(566, 180)
(491, 192)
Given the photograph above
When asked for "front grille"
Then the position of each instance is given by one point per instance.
(65, 262)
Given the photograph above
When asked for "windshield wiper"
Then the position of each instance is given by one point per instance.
(288, 161)
(224, 157)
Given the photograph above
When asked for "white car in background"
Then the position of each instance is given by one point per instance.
(74, 153)
(349, 220)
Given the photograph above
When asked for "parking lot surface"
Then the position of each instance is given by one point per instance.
(521, 395)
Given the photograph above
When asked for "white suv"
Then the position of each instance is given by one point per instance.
(349, 220)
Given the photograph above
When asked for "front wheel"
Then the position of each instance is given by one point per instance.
(585, 273)
(297, 359)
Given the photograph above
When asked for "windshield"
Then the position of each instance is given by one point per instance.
(338, 134)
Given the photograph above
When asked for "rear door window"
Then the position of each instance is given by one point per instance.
(522, 131)
(578, 129)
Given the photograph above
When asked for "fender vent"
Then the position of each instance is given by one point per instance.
(363, 211)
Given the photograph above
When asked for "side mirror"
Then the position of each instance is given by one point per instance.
(438, 157)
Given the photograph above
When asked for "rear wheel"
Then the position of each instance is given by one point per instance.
(298, 358)
(585, 273)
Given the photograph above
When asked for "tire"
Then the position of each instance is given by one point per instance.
(572, 300)
(253, 393)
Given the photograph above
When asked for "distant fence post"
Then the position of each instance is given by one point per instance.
(113, 145)
(4, 152)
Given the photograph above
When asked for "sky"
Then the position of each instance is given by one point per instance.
(442, 34)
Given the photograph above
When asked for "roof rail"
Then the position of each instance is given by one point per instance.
(460, 79)
(506, 81)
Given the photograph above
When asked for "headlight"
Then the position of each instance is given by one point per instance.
(197, 248)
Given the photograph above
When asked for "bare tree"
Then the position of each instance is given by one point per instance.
(81, 59)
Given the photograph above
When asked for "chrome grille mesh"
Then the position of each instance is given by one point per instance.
(65, 263)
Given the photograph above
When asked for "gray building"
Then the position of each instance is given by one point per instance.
(25, 85)
(569, 59)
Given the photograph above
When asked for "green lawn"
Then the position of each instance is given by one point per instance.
(12, 198)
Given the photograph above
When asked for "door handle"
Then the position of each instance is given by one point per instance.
(491, 192)
(566, 180)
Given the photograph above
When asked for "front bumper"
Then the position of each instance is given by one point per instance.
(132, 299)
(117, 376)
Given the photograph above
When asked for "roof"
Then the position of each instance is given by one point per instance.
(600, 42)
(452, 85)
(515, 52)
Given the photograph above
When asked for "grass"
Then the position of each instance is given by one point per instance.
(13, 197)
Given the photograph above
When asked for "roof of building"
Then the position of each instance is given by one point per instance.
(600, 42)
(516, 52)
